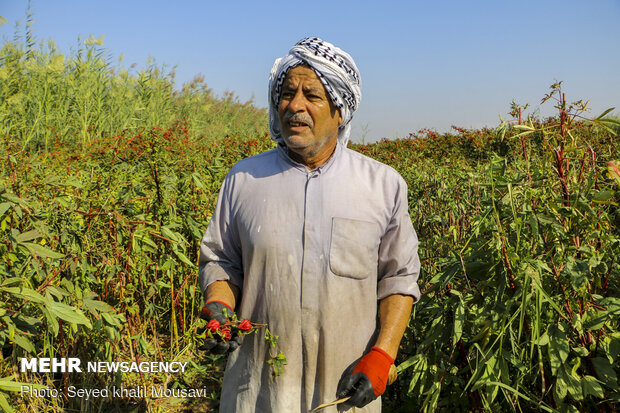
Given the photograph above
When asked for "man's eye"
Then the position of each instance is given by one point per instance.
(287, 95)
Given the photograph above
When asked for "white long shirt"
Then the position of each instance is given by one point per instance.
(312, 252)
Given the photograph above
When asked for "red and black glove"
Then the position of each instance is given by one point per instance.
(217, 314)
(367, 381)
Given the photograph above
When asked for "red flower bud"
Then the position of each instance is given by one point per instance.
(245, 325)
(226, 333)
(213, 325)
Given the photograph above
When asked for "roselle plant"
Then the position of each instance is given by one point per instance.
(234, 327)
(98, 250)
(520, 309)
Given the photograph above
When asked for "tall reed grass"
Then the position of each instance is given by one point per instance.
(48, 96)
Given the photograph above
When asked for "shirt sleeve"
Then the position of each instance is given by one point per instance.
(220, 251)
(399, 264)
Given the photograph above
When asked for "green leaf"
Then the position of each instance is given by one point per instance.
(594, 319)
(592, 386)
(611, 347)
(603, 196)
(604, 113)
(27, 323)
(540, 289)
(168, 233)
(67, 313)
(612, 304)
(4, 207)
(543, 340)
(419, 371)
(27, 236)
(558, 347)
(459, 319)
(609, 120)
(581, 351)
(606, 373)
(198, 180)
(409, 362)
(559, 389)
(12, 281)
(4, 405)
(573, 384)
(277, 364)
(110, 319)
(24, 343)
(601, 124)
(516, 392)
(41, 251)
(24, 293)
(613, 167)
(7, 384)
(96, 307)
(524, 127)
(579, 272)
(184, 258)
(56, 292)
(144, 242)
(52, 322)
(15, 199)
(524, 133)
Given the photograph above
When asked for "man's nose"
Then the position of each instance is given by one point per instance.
(298, 103)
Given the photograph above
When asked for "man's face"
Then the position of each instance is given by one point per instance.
(308, 119)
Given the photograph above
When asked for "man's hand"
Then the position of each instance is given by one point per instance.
(218, 313)
(367, 380)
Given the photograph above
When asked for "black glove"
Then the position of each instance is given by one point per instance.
(358, 387)
(215, 310)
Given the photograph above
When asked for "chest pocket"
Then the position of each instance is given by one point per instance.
(354, 248)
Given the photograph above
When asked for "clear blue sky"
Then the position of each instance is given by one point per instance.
(424, 64)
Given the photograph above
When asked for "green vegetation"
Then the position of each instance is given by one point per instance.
(49, 97)
(108, 181)
(519, 244)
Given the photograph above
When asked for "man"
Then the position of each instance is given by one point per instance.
(308, 238)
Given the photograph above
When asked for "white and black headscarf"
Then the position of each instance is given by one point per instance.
(336, 70)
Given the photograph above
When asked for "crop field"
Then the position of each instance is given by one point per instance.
(108, 179)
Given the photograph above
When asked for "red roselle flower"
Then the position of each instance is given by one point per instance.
(226, 333)
(245, 325)
(213, 325)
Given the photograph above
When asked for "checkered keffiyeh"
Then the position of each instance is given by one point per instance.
(336, 70)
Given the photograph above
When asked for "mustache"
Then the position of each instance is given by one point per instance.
(298, 117)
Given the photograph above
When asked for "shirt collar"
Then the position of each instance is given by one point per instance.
(283, 152)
